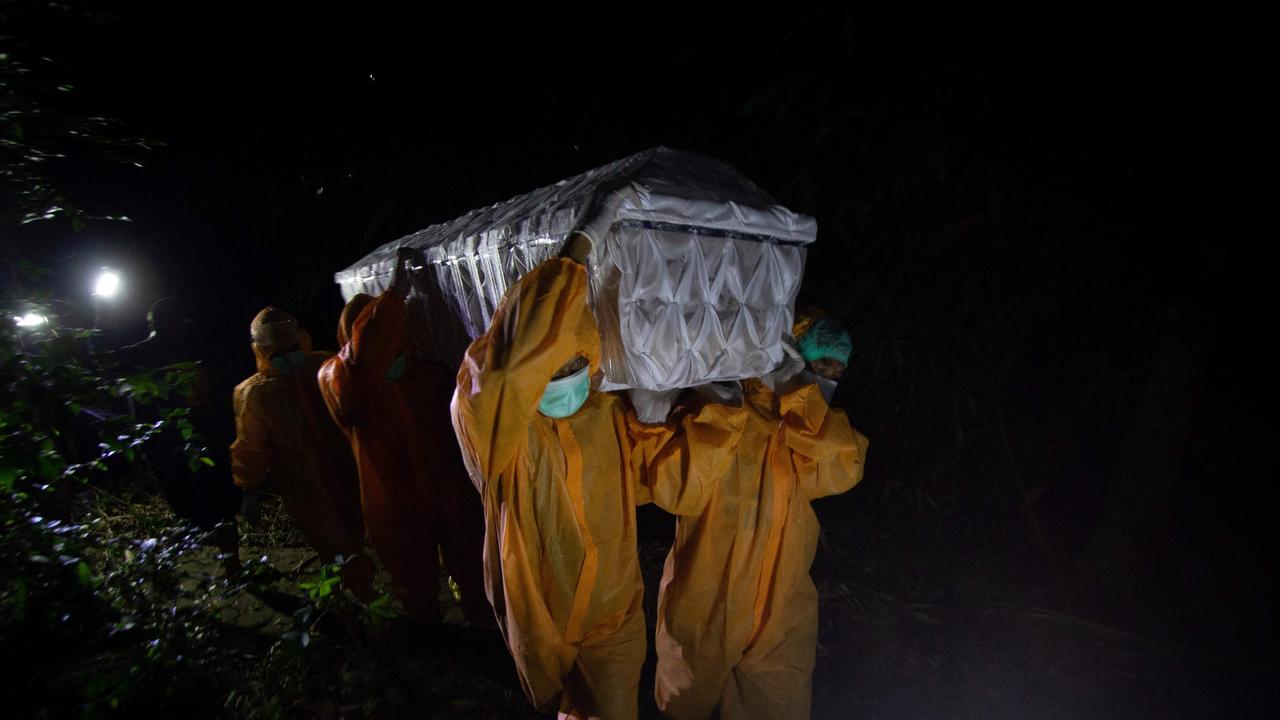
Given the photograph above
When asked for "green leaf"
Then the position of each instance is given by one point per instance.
(382, 609)
(8, 473)
(51, 466)
(84, 574)
(207, 461)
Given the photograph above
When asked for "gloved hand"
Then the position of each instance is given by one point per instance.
(782, 378)
(406, 259)
(404, 254)
(652, 406)
(602, 213)
(251, 509)
(723, 393)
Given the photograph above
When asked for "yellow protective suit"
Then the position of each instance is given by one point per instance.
(283, 427)
(737, 611)
(559, 496)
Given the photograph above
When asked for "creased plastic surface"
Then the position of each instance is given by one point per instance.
(695, 282)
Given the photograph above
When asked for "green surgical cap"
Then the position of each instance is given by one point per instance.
(826, 341)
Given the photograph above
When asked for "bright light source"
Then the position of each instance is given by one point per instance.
(108, 284)
(30, 320)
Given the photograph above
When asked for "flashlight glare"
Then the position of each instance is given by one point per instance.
(29, 320)
(107, 285)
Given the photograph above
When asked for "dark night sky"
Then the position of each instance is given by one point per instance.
(296, 142)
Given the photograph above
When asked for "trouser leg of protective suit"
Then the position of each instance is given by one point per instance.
(331, 535)
(604, 681)
(357, 576)
(406, 545)
(775, 677)
(414, 578)
(688, 685)
(462, 543)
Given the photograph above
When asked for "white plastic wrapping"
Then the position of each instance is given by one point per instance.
(695, 282)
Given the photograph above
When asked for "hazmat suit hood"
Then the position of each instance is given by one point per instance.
(272, 331)
(349, 315)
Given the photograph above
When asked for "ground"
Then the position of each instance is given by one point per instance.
(990, 653)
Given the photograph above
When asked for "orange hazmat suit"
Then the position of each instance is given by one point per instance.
(283, 428)
(413, 486)
(559, 495)
(737, 610)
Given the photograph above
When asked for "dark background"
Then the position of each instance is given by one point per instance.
(1061, 374)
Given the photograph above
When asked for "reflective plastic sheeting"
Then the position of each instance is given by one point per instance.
(677, 309)
(695, 282)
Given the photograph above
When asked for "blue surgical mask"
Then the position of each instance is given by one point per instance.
(396, 371)
(565, 396)
(288, 362)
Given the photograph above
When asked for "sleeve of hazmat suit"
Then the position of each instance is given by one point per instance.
(543, 322)
(679, 462)
(827, 452)
(251, 452)
(377, 338)
(560, 561)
